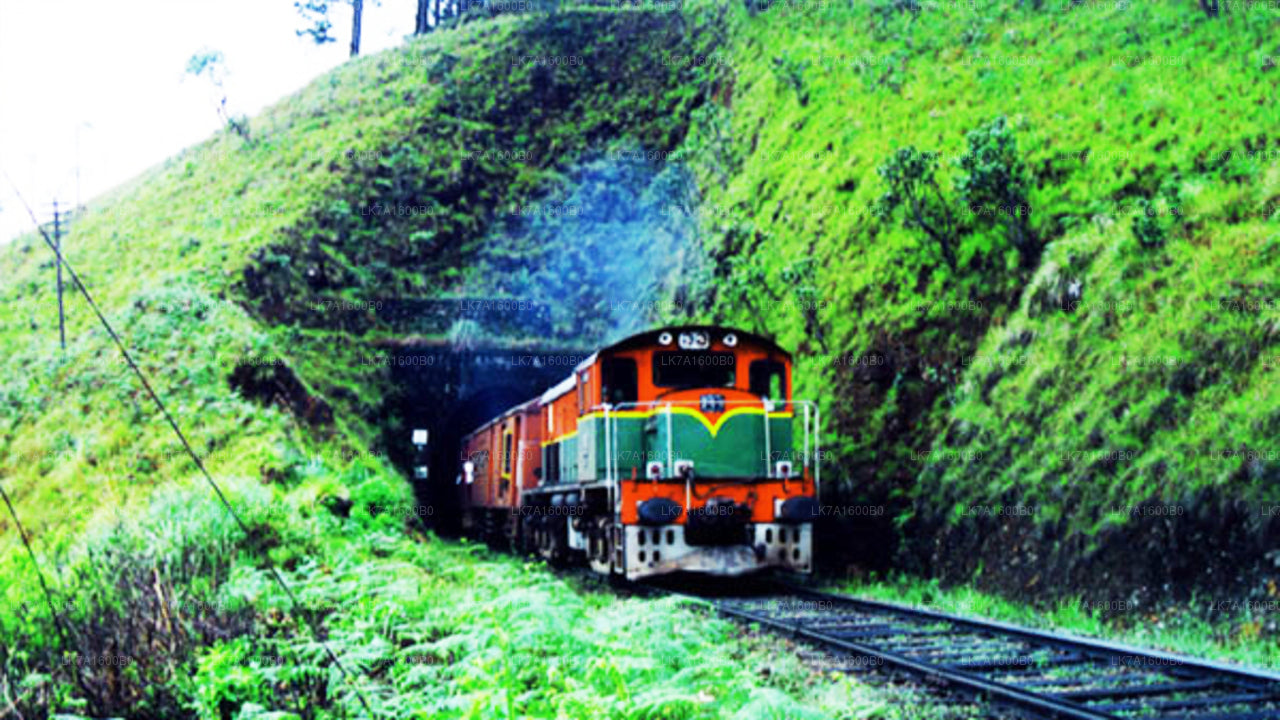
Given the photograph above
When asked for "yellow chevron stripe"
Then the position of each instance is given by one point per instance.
(714, 429)
(690, 412)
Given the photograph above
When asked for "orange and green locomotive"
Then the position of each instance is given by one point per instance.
(678, 449)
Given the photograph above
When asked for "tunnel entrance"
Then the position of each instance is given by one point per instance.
(449, 390)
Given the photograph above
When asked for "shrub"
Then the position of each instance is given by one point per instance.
(913, 189)
(995, 183)
(1147, 228)
(791, 72)
(132, 608)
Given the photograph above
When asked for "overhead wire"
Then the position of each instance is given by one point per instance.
(182, 438)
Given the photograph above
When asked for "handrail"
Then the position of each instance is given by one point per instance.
(650, 404)
(817, 464)
(768, 450)
(812, 428)
(608, 457)
(804, 468)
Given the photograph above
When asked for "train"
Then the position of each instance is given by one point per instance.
(676, 450)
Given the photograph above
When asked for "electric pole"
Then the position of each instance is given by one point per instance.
(57, 245)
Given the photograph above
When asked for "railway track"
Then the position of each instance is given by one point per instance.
(1043, 675)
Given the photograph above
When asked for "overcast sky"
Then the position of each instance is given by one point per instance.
(112, 74)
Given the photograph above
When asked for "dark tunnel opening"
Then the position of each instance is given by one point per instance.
(449, 392)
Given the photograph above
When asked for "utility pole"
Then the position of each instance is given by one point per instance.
(57, 244)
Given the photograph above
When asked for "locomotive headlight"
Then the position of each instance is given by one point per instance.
(696, 340)
(664, 338)
(730, 340)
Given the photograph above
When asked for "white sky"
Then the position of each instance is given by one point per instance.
(113, 74)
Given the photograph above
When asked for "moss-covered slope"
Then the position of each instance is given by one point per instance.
(247, 274)
(1126, 360)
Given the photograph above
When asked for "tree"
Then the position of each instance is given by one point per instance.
(357, 11)
(913, 186)
(211, 64)
(995, 181)
(316, 12)
(422, 23)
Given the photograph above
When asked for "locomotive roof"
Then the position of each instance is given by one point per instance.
(650, 337)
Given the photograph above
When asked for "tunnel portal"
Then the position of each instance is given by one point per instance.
(448, 390)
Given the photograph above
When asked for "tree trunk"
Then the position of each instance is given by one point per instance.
(422, 24)
(357, 11)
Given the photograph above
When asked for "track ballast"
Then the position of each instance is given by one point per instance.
(1043, 674)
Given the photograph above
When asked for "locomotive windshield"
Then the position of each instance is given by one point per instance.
(681, 370)
(768, 379)
(621, 381)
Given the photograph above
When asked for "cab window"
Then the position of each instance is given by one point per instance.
(768, 379)
(621, 381)
(680, 369)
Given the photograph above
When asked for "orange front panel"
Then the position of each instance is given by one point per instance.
(760, 496)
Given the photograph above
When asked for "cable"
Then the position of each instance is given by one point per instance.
(44, 587)
(173, 424)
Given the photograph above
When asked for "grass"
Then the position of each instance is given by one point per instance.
(994, 383)
(424, 627)
(1203, 628)
(241, 275)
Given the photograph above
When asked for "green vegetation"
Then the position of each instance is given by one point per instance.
(1042, 242)
(1179, 629)
(172, 614)
(1027, 256)
(243, 276)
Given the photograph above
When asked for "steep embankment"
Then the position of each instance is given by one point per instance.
(247, 274)
(246, 277)
(1092, 411)
(1006, 383)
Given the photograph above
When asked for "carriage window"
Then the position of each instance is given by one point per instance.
(768, 378)
(674, 369)
(621, 381)
(582, 394)
(553, 464)
(506, 452)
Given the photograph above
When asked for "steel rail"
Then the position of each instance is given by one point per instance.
(933, 673)
(1105, 648)
(1255, 689)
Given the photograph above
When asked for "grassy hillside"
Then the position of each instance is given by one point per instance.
(986, 403)
(1055, 371)
(245, 275)
(246, 271)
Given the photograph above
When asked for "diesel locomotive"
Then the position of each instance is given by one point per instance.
(675, 450)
